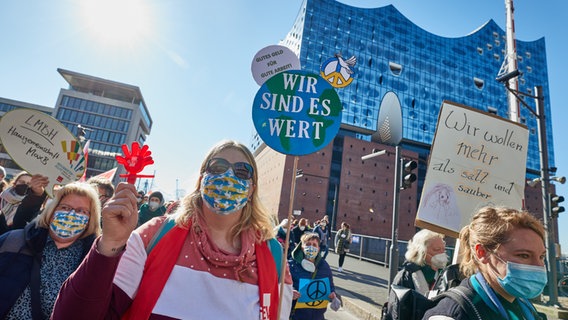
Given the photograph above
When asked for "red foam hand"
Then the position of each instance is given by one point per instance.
(134, 161)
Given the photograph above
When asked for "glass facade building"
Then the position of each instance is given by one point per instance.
(112, 114)
(423, 69)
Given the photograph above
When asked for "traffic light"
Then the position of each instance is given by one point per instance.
(407, 176)
(555, 209)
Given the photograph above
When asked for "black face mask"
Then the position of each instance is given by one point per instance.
(21, 189)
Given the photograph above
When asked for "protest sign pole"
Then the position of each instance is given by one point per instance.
(287, 241)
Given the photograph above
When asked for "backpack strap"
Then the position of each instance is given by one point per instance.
(276, 250)
(166, 226)
(464, 298)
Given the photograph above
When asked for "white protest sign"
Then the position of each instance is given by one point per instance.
(40, 144)
(272, 60)
(476, 160)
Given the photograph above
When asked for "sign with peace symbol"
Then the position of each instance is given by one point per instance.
(314, 291)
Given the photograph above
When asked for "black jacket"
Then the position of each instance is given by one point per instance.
(21, 252)
(28, 209)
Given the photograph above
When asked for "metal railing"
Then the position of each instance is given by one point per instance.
(375, 249)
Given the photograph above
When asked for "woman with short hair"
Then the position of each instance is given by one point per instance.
(35, 261)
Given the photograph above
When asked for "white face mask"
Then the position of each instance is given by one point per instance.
(153, 205)
(308, 265)
(439, 261)
(302, 228)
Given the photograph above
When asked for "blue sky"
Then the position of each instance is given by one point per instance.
(191, 60)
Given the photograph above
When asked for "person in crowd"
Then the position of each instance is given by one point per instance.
(299, 230)
(154, 208)
(35, 261)
(11, 198)
(104, 187)
(425, 256)
(3, 182)
(502, 256)
(280, 231)
(325, 236)
(342, 243)
(217, 253)
(307, 266)
(33, 202)
(173, 207)
(140, 199)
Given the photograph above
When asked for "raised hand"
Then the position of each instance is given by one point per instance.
(38, 184)
(119, 218)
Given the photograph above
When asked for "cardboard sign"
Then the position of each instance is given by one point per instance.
(476, 160)
(42, 145)
(296, 112)
(272, 60)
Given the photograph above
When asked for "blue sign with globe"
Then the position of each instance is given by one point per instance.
(296, 112)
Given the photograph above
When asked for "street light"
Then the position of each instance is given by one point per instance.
(544, 177)
(532, 183)
(389, 131)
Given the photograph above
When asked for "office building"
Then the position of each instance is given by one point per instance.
(111, 113)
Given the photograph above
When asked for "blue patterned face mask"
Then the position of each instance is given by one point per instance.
(68, 224)
(523, 280)
(224, 193)
(310, 252)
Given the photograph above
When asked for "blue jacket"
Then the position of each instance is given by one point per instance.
(316, 309)
(19, 249)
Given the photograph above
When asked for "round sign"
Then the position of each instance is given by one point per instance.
(296, 112)
(42, 145)
(272, 60)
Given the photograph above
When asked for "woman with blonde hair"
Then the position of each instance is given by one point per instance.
(425, 256)
(35, 261)
(216, 251)
(502, 256)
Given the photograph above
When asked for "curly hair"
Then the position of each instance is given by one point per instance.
(254, 216)
(418, 246)
(491, 227)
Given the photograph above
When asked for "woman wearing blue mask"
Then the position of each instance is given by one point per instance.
(35, 261)
(214, 258)
(503, 254)
(313, 279)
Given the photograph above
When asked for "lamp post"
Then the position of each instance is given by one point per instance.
(544, 178)
(393, 253)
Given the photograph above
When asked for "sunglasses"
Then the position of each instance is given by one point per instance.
(242, 170)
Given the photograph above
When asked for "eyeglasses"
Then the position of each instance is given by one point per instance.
(68, 208)
(242, 170)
